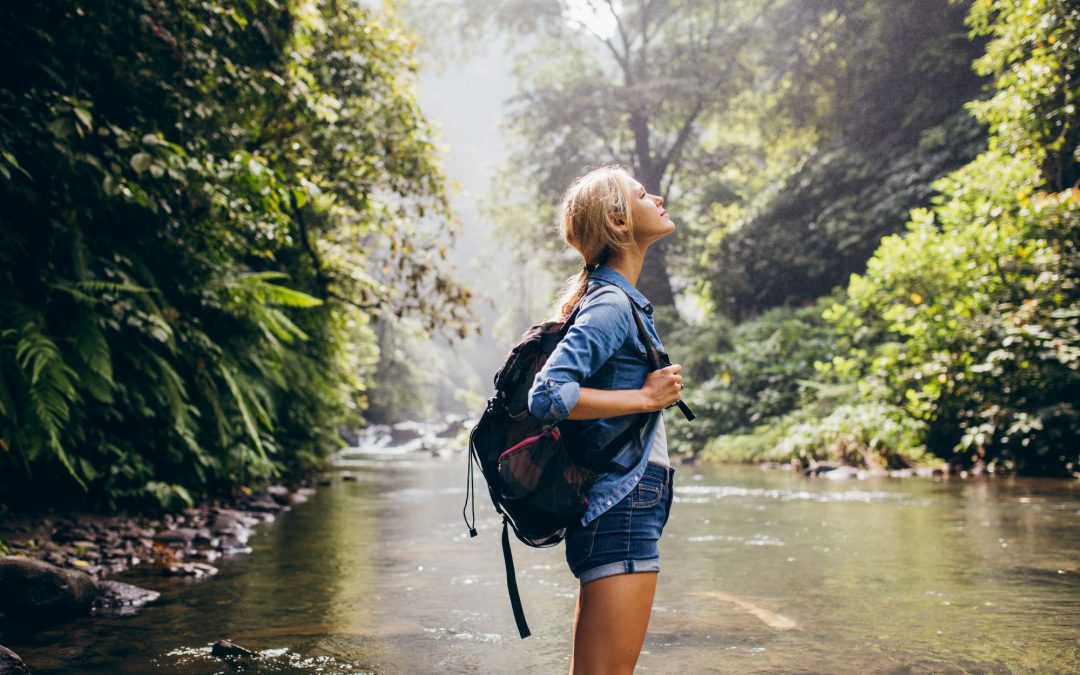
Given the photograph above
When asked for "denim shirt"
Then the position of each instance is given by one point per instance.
(602, 350)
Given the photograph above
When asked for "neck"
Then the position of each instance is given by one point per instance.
(629, 264)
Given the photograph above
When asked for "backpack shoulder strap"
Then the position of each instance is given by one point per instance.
(616, 444)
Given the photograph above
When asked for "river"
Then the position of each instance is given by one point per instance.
(763, 572)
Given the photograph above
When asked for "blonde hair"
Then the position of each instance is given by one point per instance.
(595, 219)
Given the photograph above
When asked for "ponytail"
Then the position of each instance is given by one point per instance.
(575, 287)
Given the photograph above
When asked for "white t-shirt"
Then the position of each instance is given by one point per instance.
(659, 453)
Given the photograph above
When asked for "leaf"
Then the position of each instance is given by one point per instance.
(245, 414)
(141, 162)
(59, 128)
(85, 117)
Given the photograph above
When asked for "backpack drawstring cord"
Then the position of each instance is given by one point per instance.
(470, 493)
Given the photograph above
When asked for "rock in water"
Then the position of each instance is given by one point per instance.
(280, 494)
(224, 648)
(842, 472)
(33, 587)
(119, 599)
(10, 663)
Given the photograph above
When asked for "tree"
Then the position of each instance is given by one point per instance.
(203, 206)
(879, 88)
(619, 82)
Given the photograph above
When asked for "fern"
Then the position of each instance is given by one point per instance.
(257, 287)
(92, 350)
(249, 422)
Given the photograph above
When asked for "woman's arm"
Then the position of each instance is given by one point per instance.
(662, 388)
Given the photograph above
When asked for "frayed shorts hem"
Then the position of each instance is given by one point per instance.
(619, 567)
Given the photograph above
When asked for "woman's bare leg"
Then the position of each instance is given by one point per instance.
(610, 623)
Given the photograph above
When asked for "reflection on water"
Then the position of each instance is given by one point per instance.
(763, 572)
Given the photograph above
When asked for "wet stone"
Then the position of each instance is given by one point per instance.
(302, 495)
(180, 536)
(11, 664)
(232, 543)
(262, 502)
(224, 649)
(34, 587)
(279, 493)
(117, 598)
(197, 570)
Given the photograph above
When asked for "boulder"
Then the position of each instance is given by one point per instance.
(36, 588)
(10, 663)
(405, 431)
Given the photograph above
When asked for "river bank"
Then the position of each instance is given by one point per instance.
(56, 567)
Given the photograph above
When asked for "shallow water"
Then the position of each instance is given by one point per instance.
(763, 572)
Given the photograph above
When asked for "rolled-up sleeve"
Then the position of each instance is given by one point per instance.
(600, 328)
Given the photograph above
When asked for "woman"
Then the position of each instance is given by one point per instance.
(599, 374)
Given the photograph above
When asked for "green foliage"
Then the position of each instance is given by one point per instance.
(205, 204)
(1034, 59)
(874, 435)
(970, 319)
(882, 86)
(738, 377)
(825, 221)
(169, 496)
(962, 338)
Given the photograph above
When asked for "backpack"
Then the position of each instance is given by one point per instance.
(538, 474)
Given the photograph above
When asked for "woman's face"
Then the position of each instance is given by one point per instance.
(651, 220)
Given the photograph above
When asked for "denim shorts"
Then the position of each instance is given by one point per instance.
(622, 540)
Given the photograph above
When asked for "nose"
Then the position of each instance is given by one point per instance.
(659, 200)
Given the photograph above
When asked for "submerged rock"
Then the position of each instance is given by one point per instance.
(10, 663)
(33, 587)
(191, 569)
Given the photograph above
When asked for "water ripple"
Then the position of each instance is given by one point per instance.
(702, 493)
